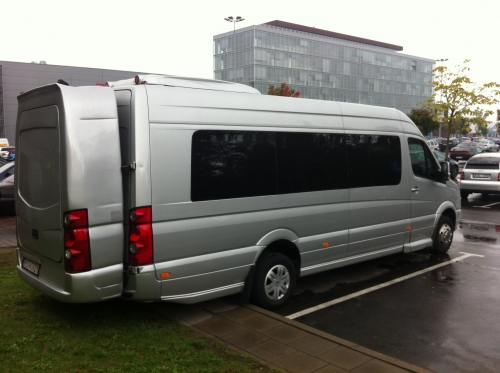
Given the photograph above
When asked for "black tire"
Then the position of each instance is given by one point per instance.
(274, 281)
(454, 172)
(443, 235)
(464, 195)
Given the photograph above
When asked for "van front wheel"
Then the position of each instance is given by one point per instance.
(443, 235)
(274, 281)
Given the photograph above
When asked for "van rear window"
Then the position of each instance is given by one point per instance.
(38, 157)
(237, 164)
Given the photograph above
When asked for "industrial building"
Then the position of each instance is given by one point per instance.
(17, 77)
(323, 65)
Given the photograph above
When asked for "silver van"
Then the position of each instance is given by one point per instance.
(184, 190)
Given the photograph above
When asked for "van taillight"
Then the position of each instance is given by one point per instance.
(140, 236)
(76, 241)
(462, 175)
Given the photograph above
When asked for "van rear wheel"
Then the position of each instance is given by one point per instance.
(274, 281)
(443, 235)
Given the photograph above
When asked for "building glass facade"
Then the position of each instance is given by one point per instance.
(2, 131)
(322, 67)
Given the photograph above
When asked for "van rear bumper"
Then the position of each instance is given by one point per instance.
(78, 287)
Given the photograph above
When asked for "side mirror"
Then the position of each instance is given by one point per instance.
(444, 173)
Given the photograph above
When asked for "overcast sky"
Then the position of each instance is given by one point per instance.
(176, 37)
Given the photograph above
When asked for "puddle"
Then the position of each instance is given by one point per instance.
(479, 232)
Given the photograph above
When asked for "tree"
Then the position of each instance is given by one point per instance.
(457, 99)
(482, 128)
(498, 121)
(283, 90)
(424, 119)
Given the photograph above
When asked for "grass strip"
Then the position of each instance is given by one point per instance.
(38, 333)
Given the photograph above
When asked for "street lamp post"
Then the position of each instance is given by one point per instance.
(441, 60)
(234, 20)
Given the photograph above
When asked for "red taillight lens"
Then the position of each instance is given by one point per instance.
(462, 175)
(140, 236)
(498, 178)
(76, 241)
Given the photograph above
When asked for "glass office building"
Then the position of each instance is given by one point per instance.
(323, 65)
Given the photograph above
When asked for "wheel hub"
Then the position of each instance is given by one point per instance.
(445, 235)
(277, 282)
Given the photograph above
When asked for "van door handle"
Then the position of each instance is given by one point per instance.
(415, 190)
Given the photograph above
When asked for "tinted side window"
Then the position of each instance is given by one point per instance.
(373, 160)
(422, 162)
(232, 164)
(309, 162)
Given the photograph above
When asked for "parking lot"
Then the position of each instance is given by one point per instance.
(437, 312)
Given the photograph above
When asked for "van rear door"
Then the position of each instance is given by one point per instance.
(69, 165)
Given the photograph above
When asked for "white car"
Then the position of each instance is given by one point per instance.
(481, 174)
(432, 144)
(487, 146)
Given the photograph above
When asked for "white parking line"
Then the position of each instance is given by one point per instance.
(373, 288)
(488, 206)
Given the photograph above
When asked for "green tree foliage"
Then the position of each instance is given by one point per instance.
(457, 99)
(282, 90)
(424, 119)
(482, 128)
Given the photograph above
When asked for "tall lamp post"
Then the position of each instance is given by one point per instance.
(234, 20)
(441, 60)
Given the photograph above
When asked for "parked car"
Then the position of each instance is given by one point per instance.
(453, 164)
(487, 146)
(481, 174)
(7, 193)
(6, 170)
(464, 150)
(452, 143)
(6, 151)
(432, 144)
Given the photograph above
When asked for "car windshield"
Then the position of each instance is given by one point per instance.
(439, 156)
(6, 167)
(483, 163)
(8, 179)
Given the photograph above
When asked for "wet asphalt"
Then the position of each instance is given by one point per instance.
(446, 320)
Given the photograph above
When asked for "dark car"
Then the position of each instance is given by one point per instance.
(442, 144)
(453, 164)
(6, 170)
(464, 150)
(7, 193)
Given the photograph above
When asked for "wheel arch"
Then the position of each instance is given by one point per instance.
(447, 209)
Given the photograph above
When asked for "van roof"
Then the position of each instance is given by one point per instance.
(181, 81)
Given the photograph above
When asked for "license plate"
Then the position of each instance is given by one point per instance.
(31, 266)
(458, 157)
(480, 176)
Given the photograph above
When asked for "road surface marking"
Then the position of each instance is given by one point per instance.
(373, 288)
(488, 206)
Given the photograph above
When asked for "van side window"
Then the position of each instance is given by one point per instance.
(237, 164)
(374, 160)
(309, 162)
(232, 164)
(423, 163)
